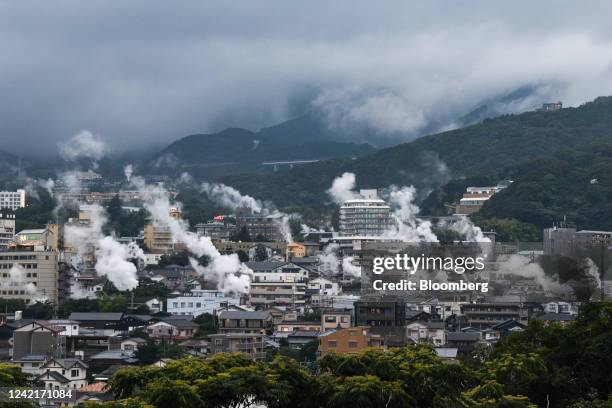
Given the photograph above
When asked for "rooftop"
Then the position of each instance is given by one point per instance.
(238, 314)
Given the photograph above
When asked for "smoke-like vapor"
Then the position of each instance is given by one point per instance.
(342, 188)
(230, 197)
(349, 268)
(519, 265)
(221, 268)
(112, 257)
(112, 262)
(83, 145)
(592, 272)
(329, 264)
(17, 281)
(404, 211)
(128, 170)
(464, 226)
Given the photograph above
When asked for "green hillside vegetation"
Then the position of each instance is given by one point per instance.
(551, 156)
(233, 150)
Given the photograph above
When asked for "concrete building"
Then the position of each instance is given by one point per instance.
(216, 230)
(234, 321)
(37, 337)
(36, 239)
(276, 271)
(286, 294)
(12, 200)
(551, 106)
(475, 197)
(351, 340)
(559, 241)
(377, 312)
(259, 226)
(366, 216)
(335, 319)
(7, 229)
(250, 344)
(31, 275)
(486, 315)
(199, 301)
(158, 239)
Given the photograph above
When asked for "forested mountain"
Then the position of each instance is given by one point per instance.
(551, 156)
(238, 150)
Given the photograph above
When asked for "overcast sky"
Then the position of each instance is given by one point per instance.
(142, 72)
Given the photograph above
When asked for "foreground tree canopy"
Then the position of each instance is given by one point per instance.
(543, 366)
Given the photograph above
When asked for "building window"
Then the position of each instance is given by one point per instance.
(74, 373)
(331, 343)
(352, 344)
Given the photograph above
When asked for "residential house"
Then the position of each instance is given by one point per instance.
(464, 342)
(500, 330)
(64, 373)
(427, 332)
(558, 318)
(335, 318)
(351, 340)
(245, 322)
(32, 363)
(132, 344)
(100, 323)
(288, 327)
(250, 344)
(178, 329)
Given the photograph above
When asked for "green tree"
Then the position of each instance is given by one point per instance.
(242, 256)
(39, 310)
(260, 253)
(113, 303)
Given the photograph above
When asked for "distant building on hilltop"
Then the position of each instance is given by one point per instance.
(475, 197)
(551, 106)
(366, 216)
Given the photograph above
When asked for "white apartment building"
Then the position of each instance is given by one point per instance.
(7, 229)
(12, 199)
(200, 301)
(366, 216)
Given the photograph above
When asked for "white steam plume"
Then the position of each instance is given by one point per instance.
(342, 188)
(221, 268)
(519, 265)
(349, 268)
(128, 170)
(464, 226)
(83, 145)
(230, 197)
(329, 264)
(18, 281)
(407, 227)
(112, 262)
(112, 257)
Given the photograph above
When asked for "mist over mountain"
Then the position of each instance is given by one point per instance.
(572, 145)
